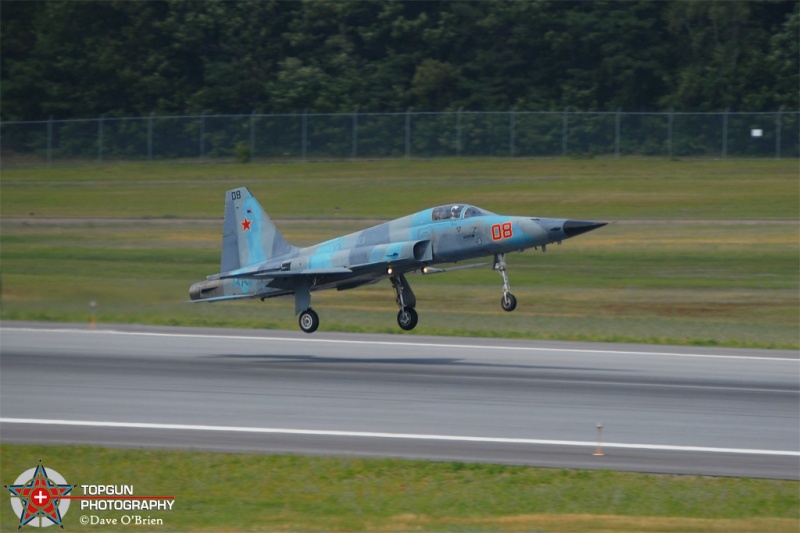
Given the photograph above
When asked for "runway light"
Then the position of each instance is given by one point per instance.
(599, 452)
(93, 316)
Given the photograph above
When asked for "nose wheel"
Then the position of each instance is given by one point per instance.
(508, 302)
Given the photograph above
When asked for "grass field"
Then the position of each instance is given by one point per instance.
(702, 252)
(228, 492)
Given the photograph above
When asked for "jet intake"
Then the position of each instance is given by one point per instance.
(422, 251)
(398, 252)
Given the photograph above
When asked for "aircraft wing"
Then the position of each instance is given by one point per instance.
(277, 273)
(225, 298)
(433, 270)
(401, 256)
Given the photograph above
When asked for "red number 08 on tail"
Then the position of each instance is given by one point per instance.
(502, 231)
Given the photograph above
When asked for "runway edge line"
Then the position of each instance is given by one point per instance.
(378, 435)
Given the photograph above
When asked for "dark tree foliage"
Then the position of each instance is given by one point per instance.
(84, 59)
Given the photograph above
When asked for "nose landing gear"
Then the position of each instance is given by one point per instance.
(508, 302)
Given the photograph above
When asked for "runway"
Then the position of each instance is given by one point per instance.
(668, 409)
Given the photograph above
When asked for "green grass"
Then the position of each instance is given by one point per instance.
(704, 252)
(609, 189)
(228, 492)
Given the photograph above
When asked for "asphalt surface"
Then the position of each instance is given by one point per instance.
(686, 410)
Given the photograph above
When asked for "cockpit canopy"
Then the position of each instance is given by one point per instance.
(454, 211)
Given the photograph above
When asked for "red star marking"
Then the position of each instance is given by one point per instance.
(246, 224)
(40, 497)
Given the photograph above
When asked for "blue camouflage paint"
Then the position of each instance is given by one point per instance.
(257, 262)
(253, 235)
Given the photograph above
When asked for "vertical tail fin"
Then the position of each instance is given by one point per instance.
(248, 235)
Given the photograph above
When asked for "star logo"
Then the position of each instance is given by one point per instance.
(37, 494)
(246, 225)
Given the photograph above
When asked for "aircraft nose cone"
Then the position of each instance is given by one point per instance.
(576, 227)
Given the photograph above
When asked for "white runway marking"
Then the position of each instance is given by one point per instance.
(405, 343)
(406, 436)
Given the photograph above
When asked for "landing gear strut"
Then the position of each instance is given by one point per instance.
(508, 301)
(407, 317)
(309, 320)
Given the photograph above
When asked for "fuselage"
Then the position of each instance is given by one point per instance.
(426, 238)
(454, 233)
(258, 262)
(444, 234)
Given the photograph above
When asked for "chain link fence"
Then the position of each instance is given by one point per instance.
(336, 136)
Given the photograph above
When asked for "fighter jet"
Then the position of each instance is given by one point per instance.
(257, 262)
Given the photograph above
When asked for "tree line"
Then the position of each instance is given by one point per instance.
(121, 58)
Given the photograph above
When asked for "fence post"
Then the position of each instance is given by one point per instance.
(355, 133)
(150, 136)
(50, 141)
(616, 133)
(408, 133)
(304, 140)
(669, 131)
(458, 131)
(100, 138)
(778, 133)
(564, 126)
(253, 133)
(512, 131)
(202, 134)
(725, 134)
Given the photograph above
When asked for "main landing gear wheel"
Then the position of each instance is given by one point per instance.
(508, 302)
(309, 321)
(407, 318)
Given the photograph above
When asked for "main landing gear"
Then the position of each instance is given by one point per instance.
(407, 317)
(508, 301)
(309, 319)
